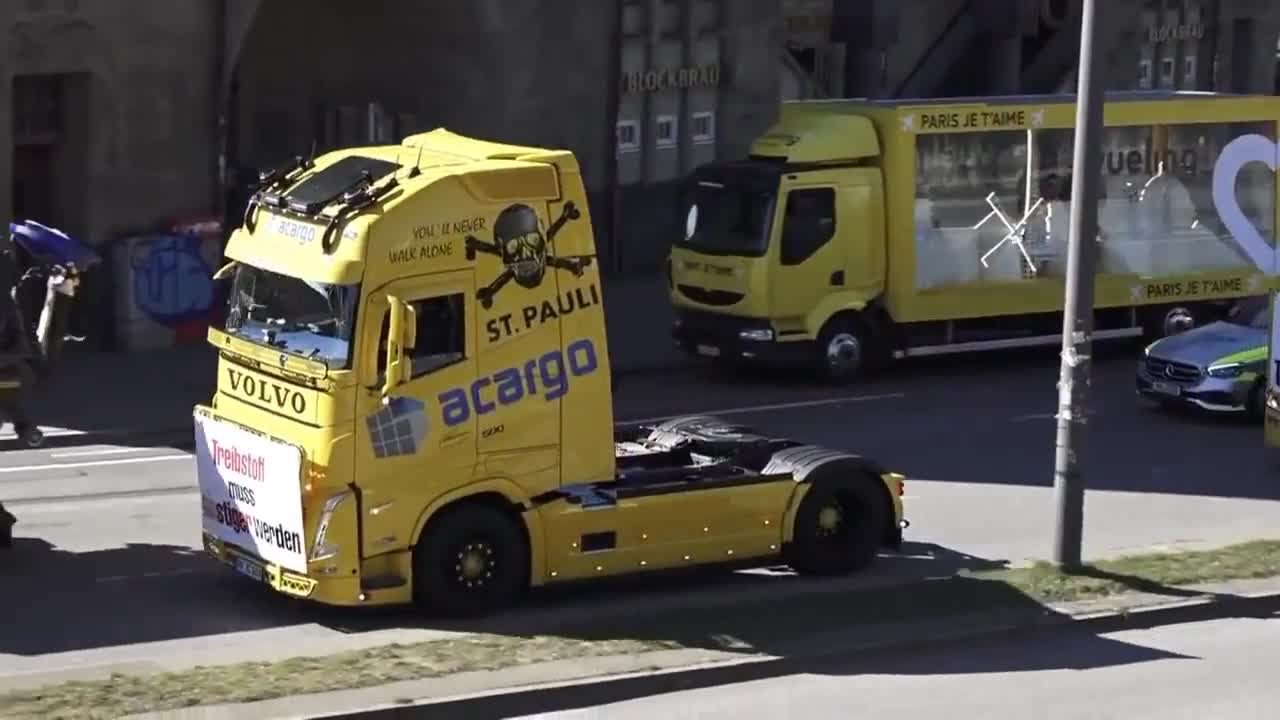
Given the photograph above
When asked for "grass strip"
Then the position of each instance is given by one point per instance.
(759, 624)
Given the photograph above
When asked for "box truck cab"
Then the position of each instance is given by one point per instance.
(859, 231)
(413, 401)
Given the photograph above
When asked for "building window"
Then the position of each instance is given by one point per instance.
(1189, 68)
(703, 127)
(37, 108)
(1144, 74)
(628, 136)
(664, 131)
(635, 20)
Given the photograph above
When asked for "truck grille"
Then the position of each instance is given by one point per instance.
(1171, 370)
(710, 297)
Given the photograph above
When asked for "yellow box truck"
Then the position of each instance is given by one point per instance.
(859, 231)
(413, 401)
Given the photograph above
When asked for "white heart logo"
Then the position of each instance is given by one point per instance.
(1238, 153)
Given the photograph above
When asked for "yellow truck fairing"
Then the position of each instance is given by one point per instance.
(920, 227)
(414, 401)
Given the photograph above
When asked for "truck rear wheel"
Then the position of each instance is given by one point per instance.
(471, 560)
(838, 529)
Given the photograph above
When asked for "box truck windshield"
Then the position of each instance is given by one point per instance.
(728, 217)
(311, 319)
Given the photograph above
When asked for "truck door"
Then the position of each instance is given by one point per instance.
(423, 440)
(807, 263)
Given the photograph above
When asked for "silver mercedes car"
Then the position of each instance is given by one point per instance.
(1220, 366)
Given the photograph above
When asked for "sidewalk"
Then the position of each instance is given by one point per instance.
(584, 678)
(95, 397)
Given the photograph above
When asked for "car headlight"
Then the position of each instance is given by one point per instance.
(1228, 370)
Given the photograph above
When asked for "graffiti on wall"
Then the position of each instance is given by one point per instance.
(172, 283)
(166, 294)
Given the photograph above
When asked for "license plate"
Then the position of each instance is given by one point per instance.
(1166, 388)
(249, 568)
(709, 351)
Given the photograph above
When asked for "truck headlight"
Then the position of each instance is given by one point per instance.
(758, 335)
(320, 549)
(1227, 370)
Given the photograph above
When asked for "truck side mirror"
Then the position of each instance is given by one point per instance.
(401, 337)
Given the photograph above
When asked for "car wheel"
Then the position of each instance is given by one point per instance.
(1257, 404)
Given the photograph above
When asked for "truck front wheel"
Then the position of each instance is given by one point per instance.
(844, 349)
(838, 528)
(471, 560)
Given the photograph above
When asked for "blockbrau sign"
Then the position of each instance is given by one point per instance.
(249, 492)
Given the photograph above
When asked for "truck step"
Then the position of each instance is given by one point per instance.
(382, 582)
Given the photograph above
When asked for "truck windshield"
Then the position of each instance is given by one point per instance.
(311, 319)
(725, 219)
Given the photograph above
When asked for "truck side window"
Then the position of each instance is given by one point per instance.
(441, 338)
(809, 223)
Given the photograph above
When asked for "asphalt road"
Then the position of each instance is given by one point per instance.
(106, 570)
(1216, 669)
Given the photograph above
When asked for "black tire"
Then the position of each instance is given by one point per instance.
(845, 350)
(471, 560)
(1160, 321)
(1257, 402)
(839, 527)
(6, 528)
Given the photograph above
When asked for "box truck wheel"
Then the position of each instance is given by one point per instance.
(472, 559)
(839, 526)
(844, 348)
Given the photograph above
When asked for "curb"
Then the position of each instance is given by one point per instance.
(590, 692)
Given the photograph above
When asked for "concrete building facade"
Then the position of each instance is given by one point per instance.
(130, 115)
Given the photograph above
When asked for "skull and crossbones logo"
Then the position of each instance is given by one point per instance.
(525, 250)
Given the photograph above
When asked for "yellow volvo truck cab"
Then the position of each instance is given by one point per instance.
(857, 232)
(413, 401)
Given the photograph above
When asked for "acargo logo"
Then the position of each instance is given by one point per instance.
(239, 462)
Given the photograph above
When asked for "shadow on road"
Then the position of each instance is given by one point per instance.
(145, 593)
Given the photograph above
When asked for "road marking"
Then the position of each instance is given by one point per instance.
(776, 406)
(92, 463)
(90, 453)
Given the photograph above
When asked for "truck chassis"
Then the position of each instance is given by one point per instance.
(690, 491)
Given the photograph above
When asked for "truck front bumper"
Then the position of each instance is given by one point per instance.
(737, 339)
(277, 578)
